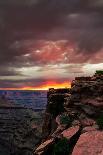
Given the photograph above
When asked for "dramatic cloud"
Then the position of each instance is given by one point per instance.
(41, 39)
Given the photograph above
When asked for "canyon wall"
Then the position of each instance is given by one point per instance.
(73, 122)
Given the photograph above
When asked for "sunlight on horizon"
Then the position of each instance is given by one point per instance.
(46, 86)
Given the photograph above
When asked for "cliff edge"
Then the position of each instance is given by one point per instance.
(73, 122)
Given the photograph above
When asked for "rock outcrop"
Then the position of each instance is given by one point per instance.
(74, 119)
(44, 147)
(55, 106)
(89, 143)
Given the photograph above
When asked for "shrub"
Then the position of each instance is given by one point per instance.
(99, 72)
(61, 147)
(65, 119)
(100, 122)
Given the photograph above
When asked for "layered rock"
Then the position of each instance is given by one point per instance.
(73, 118)
(86, 95)
(18, 132)
(44, 147)
(55, 106)
(89, 143)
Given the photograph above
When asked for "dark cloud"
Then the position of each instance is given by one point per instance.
(6, 71)
(28, 82)
(27, 26)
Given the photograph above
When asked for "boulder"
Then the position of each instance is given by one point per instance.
(87, 122)
(96, 102)
(90, 128)
(70, 132)
(76, 122)
(44, 147)
(58, 120)
(58, 131)
(89, 143)
(88, 110)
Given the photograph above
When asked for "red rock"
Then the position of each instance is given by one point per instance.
(33, 126)
(70, 132)
(58, 131)
(75, 123)
(87, 122)
(90, 128)
(93, 102)
(58, 120)
(99, 99)
(89, 143)
(43, 147)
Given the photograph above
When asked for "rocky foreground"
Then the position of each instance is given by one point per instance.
(73, 123)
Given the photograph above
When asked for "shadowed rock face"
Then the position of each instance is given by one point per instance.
(55, 106)
(4, 150)
(87, 95)
(75, 113)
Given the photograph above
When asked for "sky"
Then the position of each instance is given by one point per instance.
(45, 41)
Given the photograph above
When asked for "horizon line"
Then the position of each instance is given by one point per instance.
(47, 86)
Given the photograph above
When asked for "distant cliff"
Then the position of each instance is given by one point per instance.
(73, 122)
(19, 132)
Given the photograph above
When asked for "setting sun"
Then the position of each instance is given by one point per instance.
(46, 86)
(54, 85)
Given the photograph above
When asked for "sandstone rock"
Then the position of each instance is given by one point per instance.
(76, 123)
(70, 132)
(87, 122)
(87, 95)
(53, 125)
(58, 120)
(46, 128)
(44, 147)
(94, 102)
(55, 106)
(90, 128)
(88, 110)
(83, 103)
(58, 131)
(82, 116)
(89, 143)
(77, 103)
(99, 99)
(75, 89)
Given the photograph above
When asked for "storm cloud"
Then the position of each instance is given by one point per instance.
(42, 33)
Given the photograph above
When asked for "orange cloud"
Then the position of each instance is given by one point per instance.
(52, 84)
(49, 84)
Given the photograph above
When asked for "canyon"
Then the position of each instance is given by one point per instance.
(70, 124)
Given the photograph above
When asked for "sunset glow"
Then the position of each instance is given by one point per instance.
(42, 40)
(50, 84)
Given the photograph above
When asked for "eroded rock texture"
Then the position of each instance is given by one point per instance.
(18, 132)
(73, 123)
